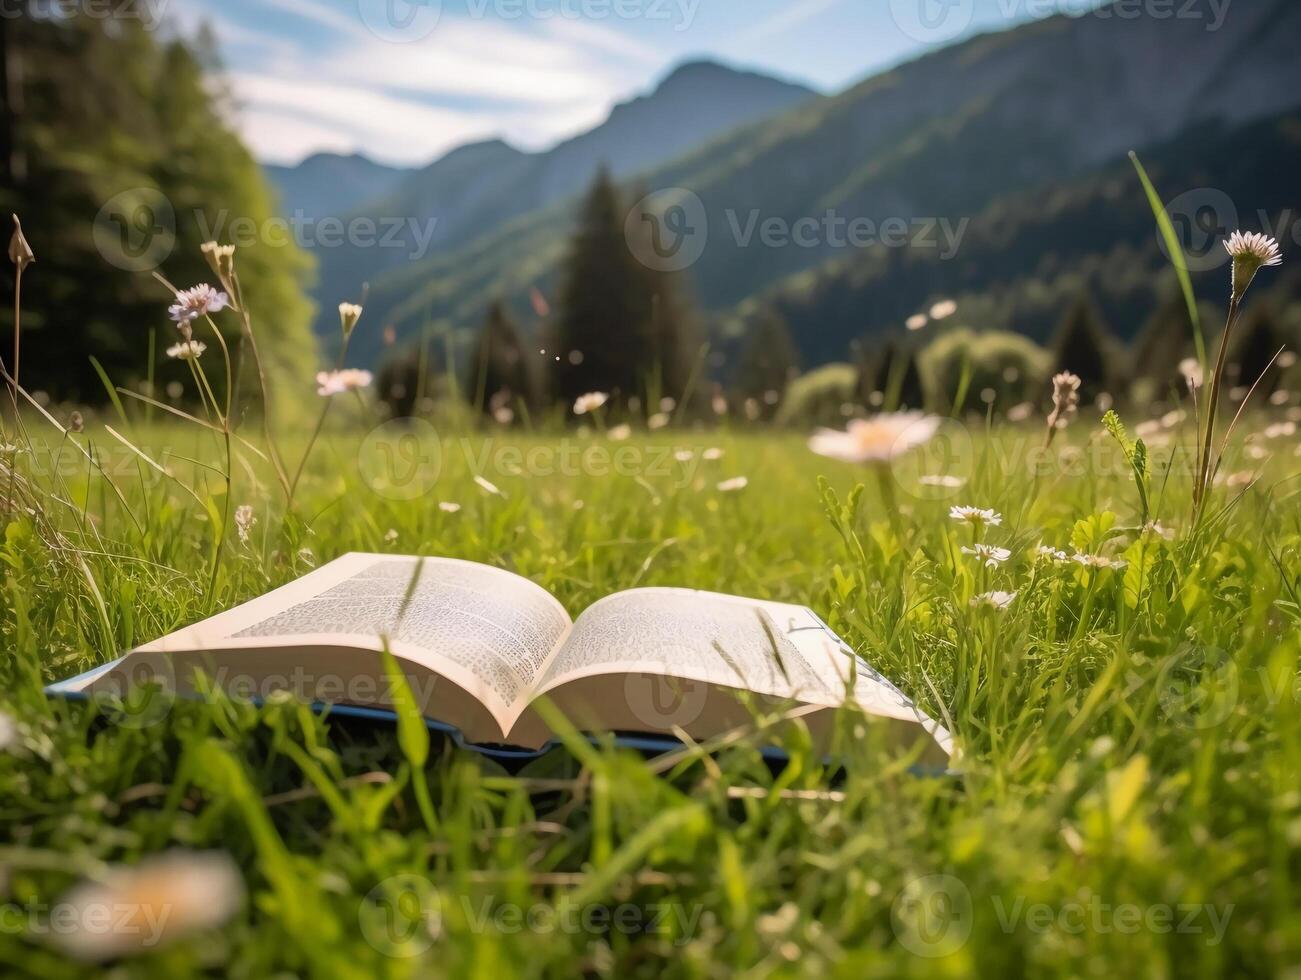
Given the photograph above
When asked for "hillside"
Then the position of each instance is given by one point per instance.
(329, 184)
(475, 189)
(939, 138)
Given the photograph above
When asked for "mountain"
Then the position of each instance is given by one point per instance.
(327, 184)
(476, 189)
(941, 137)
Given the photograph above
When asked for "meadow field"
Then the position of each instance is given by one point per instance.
(1125, 803)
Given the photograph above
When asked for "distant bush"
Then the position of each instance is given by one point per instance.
(1012, 367)
(819, 397)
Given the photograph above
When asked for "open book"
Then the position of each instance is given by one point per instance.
(480, 645)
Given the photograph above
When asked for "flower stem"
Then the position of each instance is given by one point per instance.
(1200, 485)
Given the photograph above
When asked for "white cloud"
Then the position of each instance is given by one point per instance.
(787, 18)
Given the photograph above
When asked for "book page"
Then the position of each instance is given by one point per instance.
(485, 629)
(700, 636)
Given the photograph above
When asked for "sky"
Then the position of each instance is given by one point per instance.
(403, 81)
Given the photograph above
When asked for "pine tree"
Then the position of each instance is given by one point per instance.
(1165, 340)
(1082, 346)
(768, 362)
(621, 327)
(500, 372)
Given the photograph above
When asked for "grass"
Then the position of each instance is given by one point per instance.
(1129, 802)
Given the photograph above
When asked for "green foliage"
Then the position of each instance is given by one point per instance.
(819, 397)
(113, 118)
(1013, 367)
(769, 361)
(620, 326)
(500, 371)
(1130, 737)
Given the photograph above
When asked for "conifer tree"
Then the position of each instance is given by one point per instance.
(621, 327)
(1082, 346)
(500, 372)
(890, 370)
(1258, 339)
(769, 361)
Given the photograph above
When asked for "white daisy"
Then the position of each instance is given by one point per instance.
(976, 516)
(878, 439)
(447, 507)
(712, 454)
(391, 535)
(944, 309)
(733, 485)
(994, 600)
(619, 433)
(136, 909)
(916, 321)
(1097, 561)
(1049, 553)
(488, 487)
(941, 480)
(1251, 252)
(590, 402)
(990, 555)
(337, 382)
(657, 421)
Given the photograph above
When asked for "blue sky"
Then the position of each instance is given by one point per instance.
(405, 80)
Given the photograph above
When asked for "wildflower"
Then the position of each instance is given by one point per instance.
(391, 535)
(684, 455)
(244, 521)
(658, 421)
(941, 480)
(733, 485)
(136, 909)
(1170, 419)
(1191, 370)
(944, 309)
(1020, 412)
(619, 433)
(503, 415)
(1049, 553)
(195, 302)
(668, 403)
(976, 516)
(879, 439)
(447, 507)
(1158, 529)
(993, 600)
(20, 253)
(1066, 400)
(916, 321)
(221, 259)
(1251, 252)
(1280, 430)
(8, 732)
(990, 555)
(590, 402)
(307, 556)
(336, 382)
(349, 314)
(487, 487)
(719, 404)
(1097, 561)
(187, 350)
(712, 454)
(76, 423)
